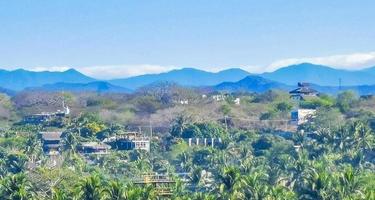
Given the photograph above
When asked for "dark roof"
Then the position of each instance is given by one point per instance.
(51, 135)
(303, 90)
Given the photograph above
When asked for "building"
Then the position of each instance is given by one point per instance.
(303, 91)
(203, 142)
(51, 142)
(237, 101)
(302, 116)
(129, 141)
(45, 117)
(184, 101)
(162, 184)
(218, 97)
(93, 148)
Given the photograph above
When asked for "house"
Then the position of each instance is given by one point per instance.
(218, 97)
(301, 116)
(129, 141)
(184, 102)
(51, 142)
(44, 117)
(237, 101)
(93, 148)
(303, 91)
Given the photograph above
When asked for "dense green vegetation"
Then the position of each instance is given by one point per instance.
(330, 157)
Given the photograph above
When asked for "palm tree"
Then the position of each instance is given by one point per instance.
(196, 176)
(58, 194)
(228, 178)
(16, 187)
(280, 193)
(71, 141)
(349, 183)
(179, 125)
(318, 184)
(33, 147)
(115, 191)
(363, 136)
(253, 186)
(90, 188)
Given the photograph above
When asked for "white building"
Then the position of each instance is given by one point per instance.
(237, 101)
(302, 116)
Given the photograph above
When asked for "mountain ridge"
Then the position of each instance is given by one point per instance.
(20, 79)
(96, 86)
(184, 76)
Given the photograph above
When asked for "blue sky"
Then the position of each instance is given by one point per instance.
(110, 38)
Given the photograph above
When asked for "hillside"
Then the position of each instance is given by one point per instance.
(20, 79)
(185, 77)
(98, 86)
(251, 84)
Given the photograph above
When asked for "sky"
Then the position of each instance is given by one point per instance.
(120, 38)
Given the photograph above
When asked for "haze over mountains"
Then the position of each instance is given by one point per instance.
(185, 76)
(321, 75)
(324, 78)
(20, 79)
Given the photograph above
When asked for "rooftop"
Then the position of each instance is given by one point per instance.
(51, 135)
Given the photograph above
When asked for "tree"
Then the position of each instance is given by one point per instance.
(16, 187)
(90, 188)
(179, 125)
(284, 107)
(228, 178)
(345, 100)
(115, 191)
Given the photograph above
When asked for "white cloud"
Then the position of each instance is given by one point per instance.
(121, 71)
(347, 61)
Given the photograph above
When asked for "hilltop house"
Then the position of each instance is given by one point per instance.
(129, 141)
(51, 142)
(303, 91)
(46, 116)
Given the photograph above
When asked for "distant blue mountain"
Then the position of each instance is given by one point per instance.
(259, 85)
(185, 77)
(251, 84)
(7, 91)
(97, 86)
(321, 75)
(20, 79)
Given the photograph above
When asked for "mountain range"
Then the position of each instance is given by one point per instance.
(321, 75)
(96, 86)
(323, 78)
(185, 77)
(20, 79)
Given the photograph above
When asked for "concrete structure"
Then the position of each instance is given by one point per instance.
(44, 117)
(51, 142)
(302, 116)
(203, 141)
(303, 91)
(237, 101)
(129, 141)
(184, 102)
(218, 97)
(93, 148)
